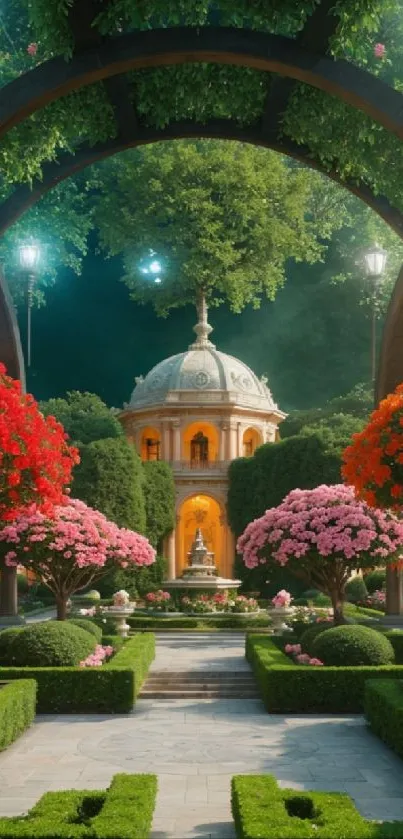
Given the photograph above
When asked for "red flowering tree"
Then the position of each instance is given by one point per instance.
(322, 534)
(35, 465)
(373, 463)
(70, 550)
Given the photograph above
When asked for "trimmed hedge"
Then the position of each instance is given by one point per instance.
(89, 626)
(124, 811)
(396, 639)
(262, 810)
(309, 636)
(51, 644)
(110, 689)
(7, 637)
(231, 622)
(289, 688)
(353, 646)
(17, 710)
(383, 708)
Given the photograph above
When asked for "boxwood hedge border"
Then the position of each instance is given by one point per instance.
(17, 709)
(112, 688)
(288, 688)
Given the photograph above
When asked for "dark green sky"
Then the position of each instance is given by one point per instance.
(313, 342)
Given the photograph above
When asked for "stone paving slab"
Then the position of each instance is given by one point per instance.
(195, 747)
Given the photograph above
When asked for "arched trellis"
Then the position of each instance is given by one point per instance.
(67, 165)
(303, 59)
(182, 45)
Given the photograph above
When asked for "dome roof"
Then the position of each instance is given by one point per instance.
(202, 374)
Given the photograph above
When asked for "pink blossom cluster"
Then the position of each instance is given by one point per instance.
(77, 536)
(282, 598)
(32, 49)
(326, 522)
(158, 596)
(97, 658)
(121, 598)
(300, 657)
(88, 613)
(379, 50)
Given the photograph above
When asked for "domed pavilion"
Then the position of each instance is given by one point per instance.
(199, 410)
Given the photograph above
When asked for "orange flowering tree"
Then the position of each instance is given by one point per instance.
(35, 466)
(373, 463)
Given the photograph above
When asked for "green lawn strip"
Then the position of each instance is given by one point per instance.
(352, 611)
(111, 688)
(17, 709)
(262, 810)
(383, 708)
(286, 687)
(124, 811)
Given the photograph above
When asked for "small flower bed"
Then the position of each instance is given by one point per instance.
(157, 599)
(377, 600)
(97, 658)
(295, 650)
(219, 602)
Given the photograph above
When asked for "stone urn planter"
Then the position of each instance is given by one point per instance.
(119, 614)
(278, 615)
(122, 608)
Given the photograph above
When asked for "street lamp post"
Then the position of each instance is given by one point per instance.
(375, 263)
(29, 257)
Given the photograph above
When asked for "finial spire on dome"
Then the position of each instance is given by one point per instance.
(202, 328)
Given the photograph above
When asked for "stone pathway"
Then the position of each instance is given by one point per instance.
(196, 746)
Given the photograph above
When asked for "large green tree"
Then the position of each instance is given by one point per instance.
(222, 218)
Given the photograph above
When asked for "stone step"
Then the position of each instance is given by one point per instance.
(199, 686)
(198, 694)
(201, 677)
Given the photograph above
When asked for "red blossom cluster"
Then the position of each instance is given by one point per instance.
(35, 460)
(373, 463)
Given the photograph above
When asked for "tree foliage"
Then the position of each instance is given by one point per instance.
(110, 478)
(159, 494)
(222, 217)
(84, 416)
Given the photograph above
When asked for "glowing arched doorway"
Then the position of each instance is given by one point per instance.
(252, 438)
(150, 444)
(204, 512)
(200, 443)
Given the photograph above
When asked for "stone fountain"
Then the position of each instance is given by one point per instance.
(201, 573)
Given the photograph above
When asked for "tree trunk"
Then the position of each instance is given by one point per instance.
(8, 592)
(61, 607)
(338, 606)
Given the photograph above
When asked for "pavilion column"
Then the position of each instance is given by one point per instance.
(176, 440)
(170, 554)
(166, 440)
(394, 596)
(240, 440)
(222, 455)
(233, 441)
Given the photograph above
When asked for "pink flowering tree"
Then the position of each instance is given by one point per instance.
(323, 535)
(72, 549)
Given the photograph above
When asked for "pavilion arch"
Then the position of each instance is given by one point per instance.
(206, 511)
(149, 443)
(200, 443)
(252, 438)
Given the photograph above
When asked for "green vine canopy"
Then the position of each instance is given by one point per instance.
(31, 31)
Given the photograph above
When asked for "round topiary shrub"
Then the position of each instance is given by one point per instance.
(7, 637)
(52, 644)
(375, 580)
(308, 637)
(356, 590)
(353, 646)
(89, 626)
